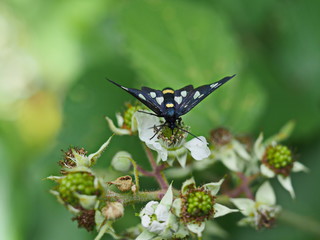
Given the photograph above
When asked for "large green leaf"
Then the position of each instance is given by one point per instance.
(179, 43)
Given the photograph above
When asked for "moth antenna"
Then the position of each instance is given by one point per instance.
(189, 133)
(153, 114)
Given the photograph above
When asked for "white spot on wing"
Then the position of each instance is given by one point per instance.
(159, 100)
(141, 96)
(196, 95)
(124, 88)
(178, 99)
(215, 85)
(153, 94)
(201, 96)
(184, 93)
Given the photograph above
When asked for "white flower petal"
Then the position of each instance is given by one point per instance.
(265, 194)
(196, 228)
(245, 205)
(299, 167)
(240, 149)
(73, 210)
(286, 184)
(167, 198)
(267, 171)
(258, 148)
(162, 152)
(190, 183)
(120, 119)
(214, 187)
(116, 130)
(176, 206)
(156, 227)
(162, 213)
(230, 160)
(145, 235)
(182, 159)
(134, 124)
(145, 221)
(149, 208)
(145, 126)
(199, 149)
(86, 201)
(221, 210)
(55, 178)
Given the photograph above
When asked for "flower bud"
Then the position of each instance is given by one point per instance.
(121, 161)
(113, 210)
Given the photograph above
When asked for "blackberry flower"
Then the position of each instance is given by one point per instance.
(170, 146)
(196, 205)
(277, 161)
(260, 213)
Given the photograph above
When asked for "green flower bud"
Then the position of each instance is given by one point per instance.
(121, 161)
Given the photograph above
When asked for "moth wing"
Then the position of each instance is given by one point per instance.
(181, 94)
(148, 96)
(196, 95)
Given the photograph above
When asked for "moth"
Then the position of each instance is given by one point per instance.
(172, 104)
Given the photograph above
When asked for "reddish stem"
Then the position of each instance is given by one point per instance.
(244, 187)
(156, 170)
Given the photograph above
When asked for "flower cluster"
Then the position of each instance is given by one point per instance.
(98, 199)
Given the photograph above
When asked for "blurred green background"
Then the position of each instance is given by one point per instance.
(55, 56)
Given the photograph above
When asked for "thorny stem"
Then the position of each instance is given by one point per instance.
(156, 170)
(136, 173)
(128, 198)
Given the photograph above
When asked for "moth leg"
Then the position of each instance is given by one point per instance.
(179, 119)
(157, 130)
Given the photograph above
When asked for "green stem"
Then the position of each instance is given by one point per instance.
(136, 173)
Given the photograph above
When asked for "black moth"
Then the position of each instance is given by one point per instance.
(172, 104)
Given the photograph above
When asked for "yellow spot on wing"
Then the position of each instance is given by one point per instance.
(169, 105)
(167, 91)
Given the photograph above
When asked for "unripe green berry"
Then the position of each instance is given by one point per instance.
(77, 182)
(199, 203)
(128, 114)
(279, 159)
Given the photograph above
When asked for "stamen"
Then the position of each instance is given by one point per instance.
(183, 130)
